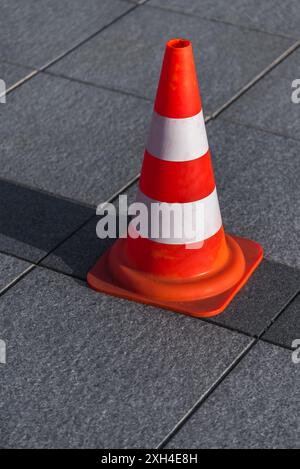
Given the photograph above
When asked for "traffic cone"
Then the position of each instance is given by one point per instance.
(196, 275)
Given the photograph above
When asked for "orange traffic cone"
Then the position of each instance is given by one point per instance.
(196, 275)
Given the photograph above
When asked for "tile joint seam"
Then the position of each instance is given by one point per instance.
(36, 71)
(205, 395)
(33, 265)
(198, 404)
(210, 321)
(212, 19)
(257, 78)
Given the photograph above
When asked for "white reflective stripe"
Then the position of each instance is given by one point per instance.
(177, 139)
(177, 223)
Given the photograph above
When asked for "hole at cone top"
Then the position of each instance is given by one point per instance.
(178, 43)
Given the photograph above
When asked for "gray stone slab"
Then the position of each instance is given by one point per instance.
(128, 55)
(71, 139)
(34, 34)
(268, 105)
(11, 74)
(257, 406)
(287, 327)
(10, 269)
(275, 17)
(257, 186)
(32, 222)
(87, 370)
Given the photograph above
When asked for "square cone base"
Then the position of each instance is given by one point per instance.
(99, 279)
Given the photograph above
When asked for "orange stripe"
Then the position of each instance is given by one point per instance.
(169, 181)
(175, 260)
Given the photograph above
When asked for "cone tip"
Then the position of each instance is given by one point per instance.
(178, 43)
(178, 93)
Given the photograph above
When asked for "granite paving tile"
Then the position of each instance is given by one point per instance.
(286, 329)
(269, 105)
(275, 17)
(256, 406)
(87, 370)
(32, 222)
(71, 139)
(128, 55)
(34, 33)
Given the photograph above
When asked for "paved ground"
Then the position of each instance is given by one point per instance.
(87, 370)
